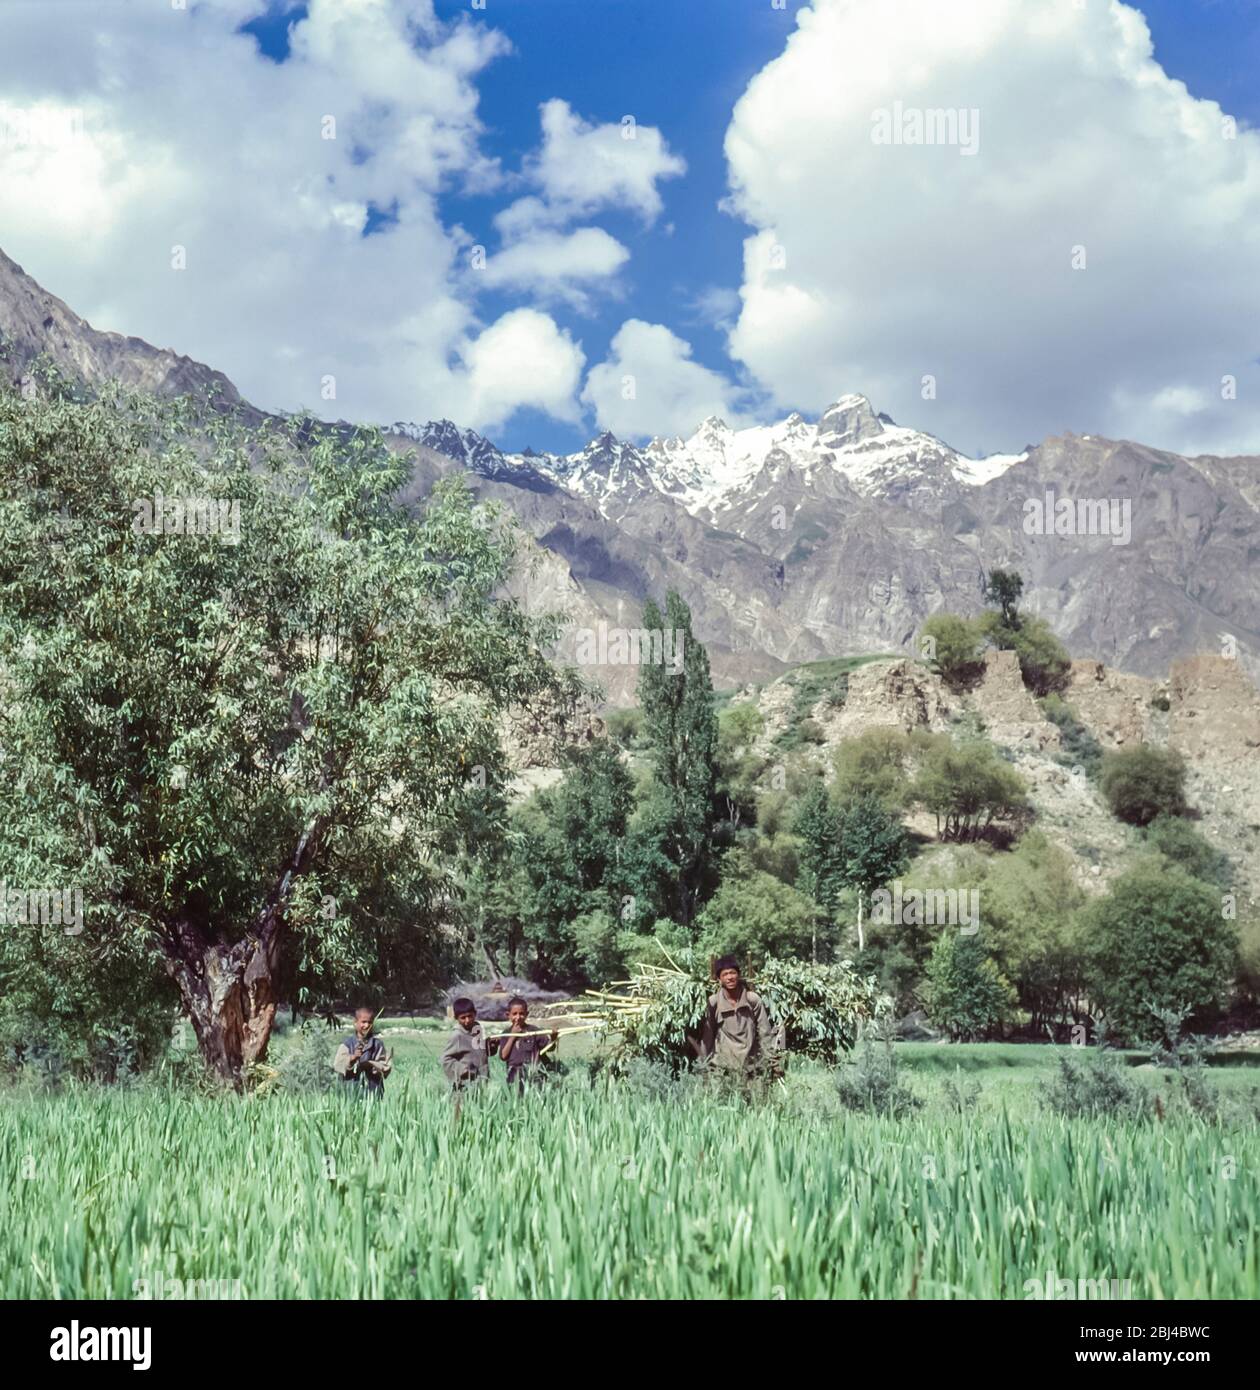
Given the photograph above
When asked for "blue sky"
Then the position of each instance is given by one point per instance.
(334, 275)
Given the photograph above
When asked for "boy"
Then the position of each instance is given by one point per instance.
(523, 1054)
(737, 1034)
(466, 1057)
(362, 1061)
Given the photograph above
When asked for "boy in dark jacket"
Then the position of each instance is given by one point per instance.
(466, 1056)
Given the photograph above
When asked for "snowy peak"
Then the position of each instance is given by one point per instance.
(445, 437)
(719, 468)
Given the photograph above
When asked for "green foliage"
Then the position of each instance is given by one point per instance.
(1030, 900)
(1144, 782)
(1158, 940)
(1094, 1084)
(305, 1063)
(740, 726)
(820, 1007)
(1079, 748)
(658, 1015)
(869, 1084)
(624, 726)
(817, 829)
(968, 787)
(573, 862)
(836, 1208)
(874, 847)
(874, 764)
(755, 916)
(1178, 841)
(681, 729)
(243, 745)
(955, 646)
(1003, 588)
(964, 992)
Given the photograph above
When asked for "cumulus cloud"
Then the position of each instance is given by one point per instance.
(1092, 263)
(649, 385)
(558, 264)
(522, 359)
(582, 168)
(263, 176)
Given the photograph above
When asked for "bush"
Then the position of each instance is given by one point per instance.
(873, 764)
(1079, 747)
(305, 1065)
(755, 916)
(869, 1084)
(1157, 940)
(1143, 783)
(1178, 841)
(965, 994)
(1094, 1086)
(955, 645)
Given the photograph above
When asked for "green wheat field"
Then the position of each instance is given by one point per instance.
(588, 1189)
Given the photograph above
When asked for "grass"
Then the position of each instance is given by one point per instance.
(591, 1191)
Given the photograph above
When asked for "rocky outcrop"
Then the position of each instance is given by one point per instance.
(1115, 706)
(883, 694)
(1012, 718)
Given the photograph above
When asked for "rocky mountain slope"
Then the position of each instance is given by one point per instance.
(1206, 707)
(805, 539)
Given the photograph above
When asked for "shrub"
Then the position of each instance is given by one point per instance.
(305, 1064)
(965, 994)
(1143, 783)
(955, 645)
(873, 764)
(1079, 747)
(869, 1084)
(1094, 1085)
(1157, 940)
(1177, 840)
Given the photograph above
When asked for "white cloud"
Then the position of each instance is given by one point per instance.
(873, 265)
(522, 359)
(649, 385)
(281, 289)
(556, 263)
(583, 168)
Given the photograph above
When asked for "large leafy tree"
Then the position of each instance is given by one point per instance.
(681, 726)
(242, 747)
(1158, 940)
(571, 850)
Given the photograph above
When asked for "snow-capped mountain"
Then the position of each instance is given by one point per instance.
(719, 470)
(801, 539)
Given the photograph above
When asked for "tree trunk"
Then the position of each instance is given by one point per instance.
(228, 993)
(861, 938)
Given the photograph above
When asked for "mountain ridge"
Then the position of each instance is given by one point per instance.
(802, 540)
